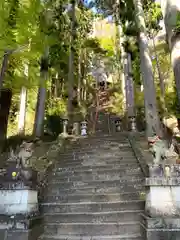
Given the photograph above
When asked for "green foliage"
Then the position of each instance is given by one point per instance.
(54, 124)
(56, 107)
(95, 45)
(153, 15)
(177, 28)
(29, 27)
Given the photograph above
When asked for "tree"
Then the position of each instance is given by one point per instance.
(171, 15)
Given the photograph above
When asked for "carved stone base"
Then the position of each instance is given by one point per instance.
(29, 234)
(19, 222)
(20, 227)
(157, 170)
(160, 228)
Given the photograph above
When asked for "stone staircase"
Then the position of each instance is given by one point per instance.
(95, 191)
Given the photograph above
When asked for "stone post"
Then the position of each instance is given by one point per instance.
(162, 211)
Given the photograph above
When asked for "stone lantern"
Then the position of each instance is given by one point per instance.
(118, 125)
(84, 128)
(65, 125)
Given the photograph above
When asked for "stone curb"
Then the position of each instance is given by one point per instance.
(138, 154)
(61, 142)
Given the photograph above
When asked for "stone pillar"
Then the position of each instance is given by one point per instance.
(76, 129)
(19, 208)
(162, 212)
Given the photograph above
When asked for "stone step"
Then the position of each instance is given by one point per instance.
(56, 189)
(95, 159)
(71, 198)
(104, 166)
(102, 139)
(103, 217)
(96, 186)
(92, 206)
(96, 171)
(91, 141)
(112, 237)
(88, 229)
(95, 162)
(97, 182)
(102, 176)
(90, 145)
(87, 146)
(106, 136)
(126, 154)
(107, 153)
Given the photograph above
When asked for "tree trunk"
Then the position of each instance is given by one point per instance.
(41, 99)
(152, 118)
(4, 68)
(171, 12)
(123, 66)
(129, 88)
(5, 103)
(120, 38)
(161, 80)
(71, 60)
(79, 80)
(22, 111)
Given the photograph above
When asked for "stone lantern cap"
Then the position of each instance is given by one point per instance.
(118, 120)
